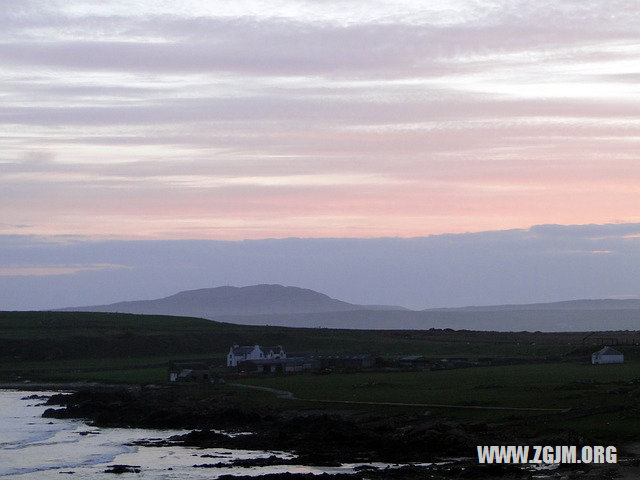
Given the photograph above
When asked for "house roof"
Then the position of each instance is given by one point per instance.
(608, 351)
(318, 356)
(276, 349)
(242, 350)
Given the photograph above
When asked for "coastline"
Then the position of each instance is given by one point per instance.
(54, 386)
(327, 437)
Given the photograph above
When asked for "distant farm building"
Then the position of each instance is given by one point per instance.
(259, 359)
(238, 354)
(412, 361)
(189, 372)
(607, 355)
(278, 365)
(347, 362)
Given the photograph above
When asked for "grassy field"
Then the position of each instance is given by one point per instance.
(66, 335)
(135, 348)
(122, 348)
(556, 385)
(597, 401)
(137, 370)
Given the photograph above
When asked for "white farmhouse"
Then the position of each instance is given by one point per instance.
(239, 354)
(607, 355)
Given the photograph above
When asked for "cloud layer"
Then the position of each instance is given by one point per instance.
(232, 120)
(540, 264)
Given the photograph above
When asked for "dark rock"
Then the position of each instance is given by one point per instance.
(35, 397)
(321, 438)
(123, 469)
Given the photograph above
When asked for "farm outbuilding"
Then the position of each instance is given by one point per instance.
(607, 355)
(189, 372)
(277, 365)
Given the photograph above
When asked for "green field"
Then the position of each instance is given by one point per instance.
(138, 348)
(536, 386)
(594, 400)
(122, 348)
(67, 335)
(601, 401)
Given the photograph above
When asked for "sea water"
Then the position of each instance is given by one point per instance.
(33, 447)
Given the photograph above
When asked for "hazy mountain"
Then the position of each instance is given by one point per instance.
(599, 304)
(299, 307)
(253, 300)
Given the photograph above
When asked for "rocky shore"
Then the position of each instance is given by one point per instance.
(322, 437)
(319, 438)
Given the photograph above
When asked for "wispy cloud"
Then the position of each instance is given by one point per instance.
(329, 118)
(53, 270)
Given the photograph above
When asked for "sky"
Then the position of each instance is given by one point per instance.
(543, 263)
(246, 119)
(142, 141)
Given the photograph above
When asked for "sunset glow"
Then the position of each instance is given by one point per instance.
(237, 120)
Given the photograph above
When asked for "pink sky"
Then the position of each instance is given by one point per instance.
(234, 120)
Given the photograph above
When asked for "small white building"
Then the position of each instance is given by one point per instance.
(607, 355)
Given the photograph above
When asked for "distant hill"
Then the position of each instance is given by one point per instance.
(238, 301)
(598, 304)
(299, 307)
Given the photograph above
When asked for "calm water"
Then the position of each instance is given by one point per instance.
(35, 447)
